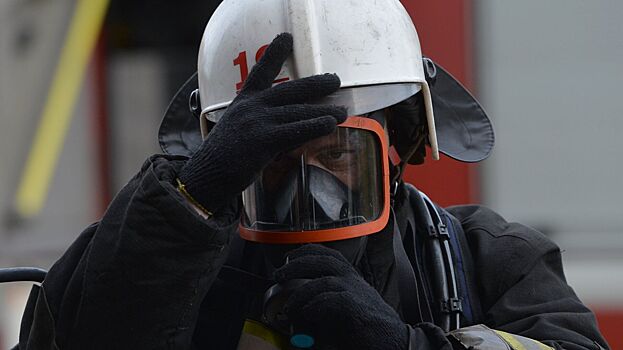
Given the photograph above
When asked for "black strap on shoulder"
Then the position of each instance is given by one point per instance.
(456, 234)
(437, 254)
(433, 244)
(450, 303)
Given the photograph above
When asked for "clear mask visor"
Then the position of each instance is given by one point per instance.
(326, 185)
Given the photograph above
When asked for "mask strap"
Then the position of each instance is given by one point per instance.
(404, 161)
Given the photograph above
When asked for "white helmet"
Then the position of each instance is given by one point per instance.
(371, 45)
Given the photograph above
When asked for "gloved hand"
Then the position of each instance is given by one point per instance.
(261, 122)
(338, 307)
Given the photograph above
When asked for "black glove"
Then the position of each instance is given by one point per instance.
(338, 308)
(261, 122)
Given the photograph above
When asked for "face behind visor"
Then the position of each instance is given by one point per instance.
(332, 188)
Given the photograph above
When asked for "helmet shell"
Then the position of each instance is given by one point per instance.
(371, 45)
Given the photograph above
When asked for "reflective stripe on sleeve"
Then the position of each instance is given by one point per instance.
(257, 336)
(522, 343)
(480, 337)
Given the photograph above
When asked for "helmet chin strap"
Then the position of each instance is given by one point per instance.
(399, 169)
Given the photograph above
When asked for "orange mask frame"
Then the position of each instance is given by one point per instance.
(328, 235)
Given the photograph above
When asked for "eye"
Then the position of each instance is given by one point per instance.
(336, 154)
(337, 158)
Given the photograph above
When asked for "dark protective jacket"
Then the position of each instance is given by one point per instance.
(150, 275)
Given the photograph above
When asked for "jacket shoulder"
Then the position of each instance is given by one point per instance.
(478, 220)
(503, 252)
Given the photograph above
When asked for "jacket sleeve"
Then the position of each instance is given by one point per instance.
(136, 279)
(521, 283)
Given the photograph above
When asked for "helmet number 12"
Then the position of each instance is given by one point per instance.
(241, 61)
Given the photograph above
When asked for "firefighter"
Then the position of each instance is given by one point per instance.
(287, 223)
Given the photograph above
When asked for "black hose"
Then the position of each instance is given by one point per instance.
(451, 285)
(452, 281)
(22, 274)
(439, 278)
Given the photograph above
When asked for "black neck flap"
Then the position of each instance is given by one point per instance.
(179, 132)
